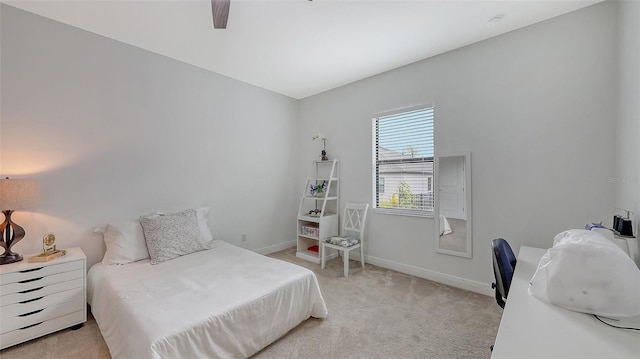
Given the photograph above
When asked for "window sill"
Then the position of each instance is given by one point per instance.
(406, 213)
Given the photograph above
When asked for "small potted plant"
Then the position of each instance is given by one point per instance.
(318, 189)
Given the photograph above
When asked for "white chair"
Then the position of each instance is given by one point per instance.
(351, 236)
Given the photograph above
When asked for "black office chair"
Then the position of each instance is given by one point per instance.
(504, 263)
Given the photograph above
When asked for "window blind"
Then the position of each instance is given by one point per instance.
(403, 161)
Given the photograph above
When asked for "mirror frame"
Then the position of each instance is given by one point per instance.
(468, 253)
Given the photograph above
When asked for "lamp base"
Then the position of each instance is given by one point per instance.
(10, 258)
(13, 233)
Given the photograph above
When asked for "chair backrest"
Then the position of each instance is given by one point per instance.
(504, 263)
(354, 219)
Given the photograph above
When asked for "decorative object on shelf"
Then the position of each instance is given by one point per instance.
(323, 153)
(310, 231)
(15, 194)
(318, 189)
(315, 212)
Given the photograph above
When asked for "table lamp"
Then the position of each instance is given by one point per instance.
(15, 194)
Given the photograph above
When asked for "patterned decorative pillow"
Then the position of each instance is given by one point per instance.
(172, 235)
(201, 213)
(344, 241)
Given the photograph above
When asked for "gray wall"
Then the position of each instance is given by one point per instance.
(113, 132)
(535, 107)
(627, 154)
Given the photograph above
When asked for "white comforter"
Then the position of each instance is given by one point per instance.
(226, 302)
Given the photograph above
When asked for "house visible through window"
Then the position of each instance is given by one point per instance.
(403, 148)
(380, 184)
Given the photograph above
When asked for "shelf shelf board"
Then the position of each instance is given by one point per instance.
(310, 256)
(308, 237)
(325, 161)
(321, 198)
(305, 217)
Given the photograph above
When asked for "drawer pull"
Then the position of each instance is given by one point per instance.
(30, 290)
(30, 280)
(29, 326)
(30, 270)
(31, 300)
(31, 313)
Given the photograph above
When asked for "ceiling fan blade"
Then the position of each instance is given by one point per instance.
(220, 10)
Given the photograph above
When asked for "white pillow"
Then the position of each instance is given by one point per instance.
(205, 232)
(125, 243)
(172, 235)
(203, 224)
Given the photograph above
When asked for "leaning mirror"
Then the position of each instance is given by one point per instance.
(453, 204)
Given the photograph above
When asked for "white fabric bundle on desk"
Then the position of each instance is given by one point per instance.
(585, 272)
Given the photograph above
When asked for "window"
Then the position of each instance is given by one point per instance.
(403, 147)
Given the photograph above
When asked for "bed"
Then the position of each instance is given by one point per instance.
(224, 302)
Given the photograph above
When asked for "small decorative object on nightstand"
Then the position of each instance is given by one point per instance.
(48, 243)
(49, 250)
(41, 298)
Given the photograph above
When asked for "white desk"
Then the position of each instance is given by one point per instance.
(531, 328)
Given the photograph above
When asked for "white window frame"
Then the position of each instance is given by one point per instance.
(375, 164)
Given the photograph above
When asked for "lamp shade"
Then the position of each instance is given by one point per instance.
(18, 194)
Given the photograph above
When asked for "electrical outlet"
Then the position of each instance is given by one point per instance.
(243, 237)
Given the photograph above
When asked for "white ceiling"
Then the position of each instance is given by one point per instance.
(297, 47)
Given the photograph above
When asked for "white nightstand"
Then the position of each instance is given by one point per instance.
(42, 297)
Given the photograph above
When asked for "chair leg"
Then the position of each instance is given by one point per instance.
(345, 258)
(362, 256)
(322, 259)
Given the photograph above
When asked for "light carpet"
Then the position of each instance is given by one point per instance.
(374, 313)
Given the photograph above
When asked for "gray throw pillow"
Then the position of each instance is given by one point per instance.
(172, 235)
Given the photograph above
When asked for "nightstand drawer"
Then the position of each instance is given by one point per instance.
(41, 270)
(37, 282)
(39, 291)
(75, 303)
(37, 303)
(41, 328)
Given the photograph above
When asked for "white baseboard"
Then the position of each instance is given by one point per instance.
(443, 278)
(276, 247)
(447, 279)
